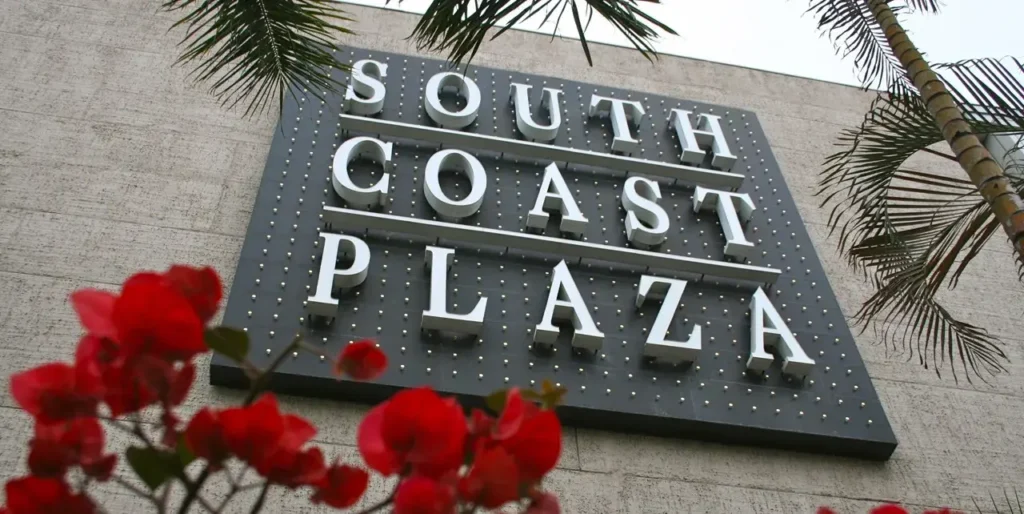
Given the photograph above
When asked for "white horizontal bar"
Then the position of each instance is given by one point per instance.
(530, 149)
(350, 218)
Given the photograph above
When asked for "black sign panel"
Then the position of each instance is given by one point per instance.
(834, 409)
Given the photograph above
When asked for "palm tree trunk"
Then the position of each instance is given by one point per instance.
(986, 174)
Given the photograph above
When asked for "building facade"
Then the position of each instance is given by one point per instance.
(111, 163)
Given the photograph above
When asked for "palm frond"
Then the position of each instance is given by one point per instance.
(911, 232)
(930, 6)
(253, 51)
(459, 27)
(852, 29)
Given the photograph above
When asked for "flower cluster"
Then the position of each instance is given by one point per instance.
(443, 460)
(138, 353)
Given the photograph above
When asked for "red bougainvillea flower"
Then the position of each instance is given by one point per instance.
(889, 509)
(536, 441)
(95, 311)
(272, 443)
(825, 510)
(36, 495)
(361, 360)
(492, 481)
(79, 442)
(341, 486)
(204, 435)
(152, 317)
(422, 495)
(137, 382)
(547, 503)
(201, 287)
(415, 427)
(56, 392)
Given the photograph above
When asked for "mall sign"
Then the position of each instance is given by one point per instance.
(493, 229)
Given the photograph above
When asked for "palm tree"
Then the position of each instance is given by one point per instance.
(910, 231)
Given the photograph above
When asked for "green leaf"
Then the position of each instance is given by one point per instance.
(184, 454)
(496, 400)
(229, 342)
(459, 27)
(153, 466)
(256, 51)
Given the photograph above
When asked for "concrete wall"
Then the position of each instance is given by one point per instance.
(111, 163)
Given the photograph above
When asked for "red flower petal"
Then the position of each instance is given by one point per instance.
(377, 455)
(95, 310)
(361, 360)
(181, 383)
(39, 495)
(537, 445)
(52, 393)
(492, 481)
(422, 495)
(292, 468)
(56, 447)
(204, 435)
(154, 318)
(252, 431)
(511, 416)
(342, 486)
(201, 287)
(826, 510)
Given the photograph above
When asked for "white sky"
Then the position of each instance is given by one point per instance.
(776, 35)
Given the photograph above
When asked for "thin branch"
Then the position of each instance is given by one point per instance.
(137, 491)
(380, 505)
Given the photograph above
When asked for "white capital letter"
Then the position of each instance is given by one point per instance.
(616, 109)
(437, 317)
(366, 80)
(365, 147)
(331, 278)
(466, 87)
(707, 135)
(736, 244)
(520, 96)
(456, 160)
(646, 222)
(773, 332)
(566, 302)
(561, 200)
(670, 291)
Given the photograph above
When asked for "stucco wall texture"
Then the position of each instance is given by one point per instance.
(110, 162)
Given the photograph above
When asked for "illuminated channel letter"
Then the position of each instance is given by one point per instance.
(566, 303)
(670, 292)
(616, 109)
(455, 160)
(366, 81)
(322, 303)
(696, 142)
(732, 208)
(560, 199)
(646, 222)
(768, 329)
(437, 317)
(361, 147)
(439, 113)
(520, 97)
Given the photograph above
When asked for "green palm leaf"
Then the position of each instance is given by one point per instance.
(459, 27)
(913, 231)
(254, 51)
(853, 30)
